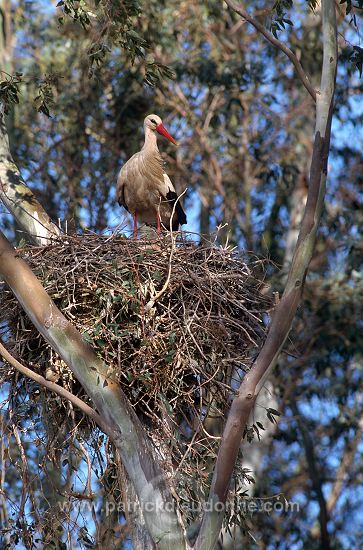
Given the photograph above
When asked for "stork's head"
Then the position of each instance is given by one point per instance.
(155, 124)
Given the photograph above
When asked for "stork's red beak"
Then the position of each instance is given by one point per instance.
(161, 130)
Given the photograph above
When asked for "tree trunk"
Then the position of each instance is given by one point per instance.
(18, 198)
(286, 309)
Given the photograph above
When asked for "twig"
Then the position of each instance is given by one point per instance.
(151, 302)
(277, 43)
(315, 476)
(62, 392)
(4, 517)
(89, 485)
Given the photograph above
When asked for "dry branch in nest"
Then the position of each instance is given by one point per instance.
(176, 323)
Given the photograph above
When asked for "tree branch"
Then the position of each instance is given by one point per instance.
(347, 462)
(277, 43)
(116, 412)
(19, 199)
(315, 477)
(285, 311)
(62, 392)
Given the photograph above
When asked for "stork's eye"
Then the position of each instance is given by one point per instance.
(153, 121)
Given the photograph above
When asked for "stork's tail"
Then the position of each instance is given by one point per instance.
(180, 217)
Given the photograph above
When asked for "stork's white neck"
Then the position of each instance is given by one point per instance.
(150, 140)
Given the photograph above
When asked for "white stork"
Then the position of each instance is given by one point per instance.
(144, 189)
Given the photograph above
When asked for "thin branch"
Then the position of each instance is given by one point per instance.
(4, 516)
(25, 474)
(341, 478)
(277, 43)
(315, 478)
(346, 463)
(152, 300)
(27, 485)
(62, 392)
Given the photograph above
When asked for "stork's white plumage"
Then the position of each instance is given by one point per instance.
(144, 189)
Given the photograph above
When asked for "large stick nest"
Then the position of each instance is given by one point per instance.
(176, 322)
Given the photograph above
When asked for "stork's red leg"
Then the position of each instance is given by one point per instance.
(158, 227)
(135, 226)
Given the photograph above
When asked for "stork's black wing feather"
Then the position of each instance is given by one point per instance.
(181, 218)
(121, 199)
